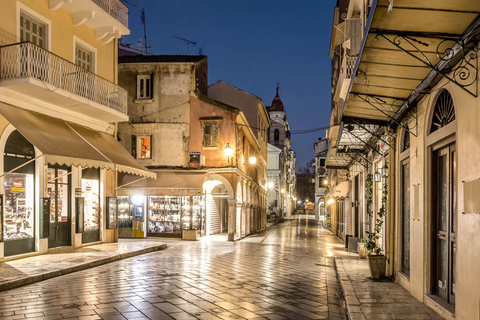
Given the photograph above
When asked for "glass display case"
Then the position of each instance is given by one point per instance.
(164, 216)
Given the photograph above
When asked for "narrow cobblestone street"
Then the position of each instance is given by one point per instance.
(286, 272)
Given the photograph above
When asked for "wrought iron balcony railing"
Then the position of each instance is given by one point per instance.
(115, 8)
(25, 59)
(348, 65)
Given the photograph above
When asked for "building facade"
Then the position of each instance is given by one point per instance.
(321, 173)
(404, 132)
(207, 158)
(59, 106)
(284, 182)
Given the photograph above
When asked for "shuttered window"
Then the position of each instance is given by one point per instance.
(84, 58)
(210, 134)
(33, 30)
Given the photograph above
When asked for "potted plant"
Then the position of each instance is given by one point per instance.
(376, 260)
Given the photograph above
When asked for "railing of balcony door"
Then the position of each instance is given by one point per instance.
(115, 8)
(28, 60)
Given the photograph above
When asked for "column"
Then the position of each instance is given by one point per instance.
(232, 219)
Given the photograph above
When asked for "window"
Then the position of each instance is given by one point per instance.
(144, 87)
(444, 112)
(142, 147)
(210, 134)
(276, 135)
(84, 58)
(33, 30)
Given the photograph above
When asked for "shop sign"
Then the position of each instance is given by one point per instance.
(18, 186)
(88, 188)
(78, 192)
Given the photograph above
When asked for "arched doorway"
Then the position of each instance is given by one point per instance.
(218, 191)
(19, 215)
(441, 142)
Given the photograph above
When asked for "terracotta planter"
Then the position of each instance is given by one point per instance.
(377, 265)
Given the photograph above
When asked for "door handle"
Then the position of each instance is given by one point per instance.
(57, 227)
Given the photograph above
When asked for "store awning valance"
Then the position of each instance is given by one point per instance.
(167, 183)
(407, 50)
(68, 144)
(340, 190)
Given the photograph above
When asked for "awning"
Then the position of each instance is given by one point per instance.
(408, 50)
(340, 190)
(167, 183)
(69, 144)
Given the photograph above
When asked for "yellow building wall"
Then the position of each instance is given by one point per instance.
(62, 34)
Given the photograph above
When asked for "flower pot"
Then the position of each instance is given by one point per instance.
(377, 265)
(362, 250)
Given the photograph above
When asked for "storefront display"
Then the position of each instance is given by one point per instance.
(112, 211)
(164, 215)
(18, 220)
(90, 191)
(91, 214)
(125, 218)
(169, 215)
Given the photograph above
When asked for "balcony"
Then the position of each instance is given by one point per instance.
(345, 76)
(37, 76)
(109, 18)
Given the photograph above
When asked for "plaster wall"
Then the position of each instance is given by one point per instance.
(466, 132)
(214, 157)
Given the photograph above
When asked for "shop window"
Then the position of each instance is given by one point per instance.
(84, 58)
(210, 134)
(18, 220)
(142, 147)
(91, 194)
(144, 87)
(33, 30)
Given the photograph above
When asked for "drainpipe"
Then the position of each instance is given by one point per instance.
(391, 208)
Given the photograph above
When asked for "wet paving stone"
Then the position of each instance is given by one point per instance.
(285, 272)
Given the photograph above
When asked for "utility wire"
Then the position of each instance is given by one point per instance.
(291, 132)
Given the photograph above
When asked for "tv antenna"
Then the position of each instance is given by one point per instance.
(188, 42)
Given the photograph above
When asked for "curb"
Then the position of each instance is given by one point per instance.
(350, 301)
(53, 274)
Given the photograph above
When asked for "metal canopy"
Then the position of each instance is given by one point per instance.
(406, 52)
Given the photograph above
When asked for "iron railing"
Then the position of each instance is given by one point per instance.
(348, 65)
(115, 8)
(28, 60)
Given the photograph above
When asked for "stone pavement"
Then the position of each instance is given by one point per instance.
(286, 272)
(366, 299)
(24, 271)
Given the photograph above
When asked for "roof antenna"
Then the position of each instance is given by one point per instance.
(142, 17)
(188, 42)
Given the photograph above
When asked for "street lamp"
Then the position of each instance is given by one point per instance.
(325, 182)
(330, 201)
(228, 150)
(282, 191)
(271, 185)
(252, 160)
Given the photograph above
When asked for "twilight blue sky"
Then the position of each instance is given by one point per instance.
(252, 44)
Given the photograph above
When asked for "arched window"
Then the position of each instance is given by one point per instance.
(17, 145)
(19, 222)
(444, 111)
(406, 141)
(276, 135)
